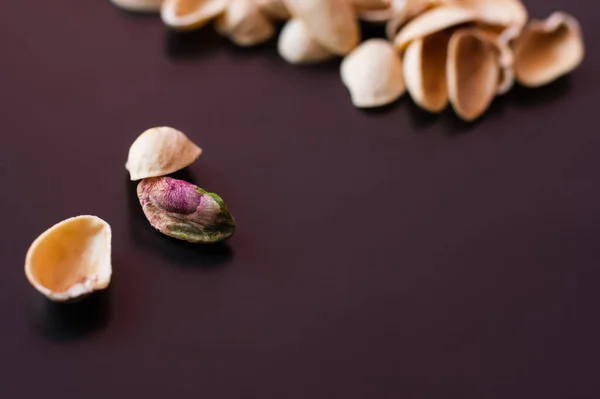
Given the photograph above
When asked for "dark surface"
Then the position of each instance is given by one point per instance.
(378, 254)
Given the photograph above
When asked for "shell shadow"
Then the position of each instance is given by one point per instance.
(519, 97)
(528, 97)
(71, 321)
(193, 44)
(176, 252)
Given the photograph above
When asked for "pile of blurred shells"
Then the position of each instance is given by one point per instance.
(458, 52)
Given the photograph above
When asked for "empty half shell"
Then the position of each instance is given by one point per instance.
(473, 72)
(138, 5)
(548, 49)
(372, 73)
(425, 71)
(297, 46)
(274, 9)
(332, 23)
(245, 24)
(160, 151)
(184, 211)
(190, 14)
(432, 21)
(71, 259)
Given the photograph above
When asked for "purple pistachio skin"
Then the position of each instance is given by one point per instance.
(184, 211)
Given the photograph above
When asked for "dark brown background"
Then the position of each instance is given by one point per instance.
(379, 254)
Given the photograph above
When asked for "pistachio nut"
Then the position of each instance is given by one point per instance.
(184, 211)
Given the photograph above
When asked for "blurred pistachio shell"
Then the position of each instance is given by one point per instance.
(244, 24)
(274, 9)
(371, 4)
(425, 71)
(473, 72)
(184, 211)
(499, 38)
(405, 10)
(188, 15)
(432, 21)
(71, 259)
(548, 49)
(160, 151)
(497, 12)
(297, 46)
(372, 73)
(332, 23)
(373, 10)
(138, 5)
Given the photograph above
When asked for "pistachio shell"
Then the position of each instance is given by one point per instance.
(432, 21)
(138, 5)
(499, 38)
(71, 259)
(425, 71)
(371, 4)
(472, 71)
(274, 9)
(405, 10)
(190, 14)
(244, 23)
(184, 211)
(296, 46)
(373, 10)
(497, 12)
(548, 49)
(372, 74)
(160, 151)
(332, 23)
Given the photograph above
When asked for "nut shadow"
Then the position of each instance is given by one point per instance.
(176, 252)
(74, 320)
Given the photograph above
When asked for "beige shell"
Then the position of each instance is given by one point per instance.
(405, 10)
(372, 73)
(498, 12)
(296, 46)
(371, 4)
(71, 259)
(548, 49)
(425, 71)
(190, 14)
(473, 72)
(245, 24)
(160, 151)
(500, 38)
(138, 5)
(374, 10)
(432, 21)
(332, 23)
(274, 9)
